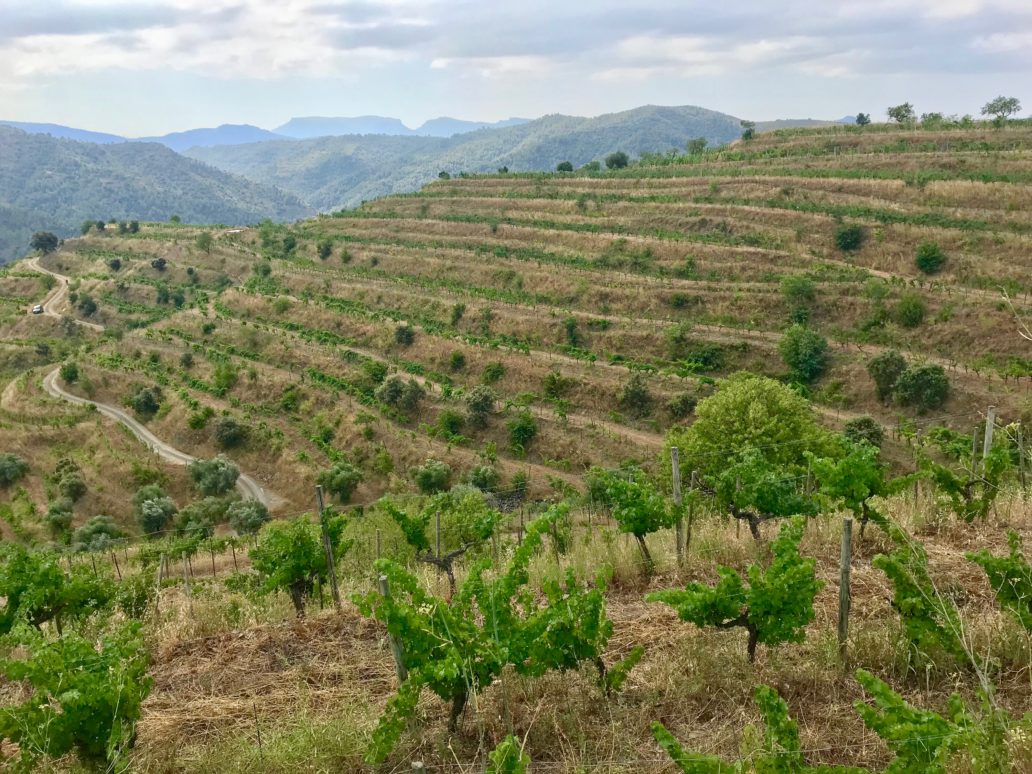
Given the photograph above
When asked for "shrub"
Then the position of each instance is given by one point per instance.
(340, 481)
(224, 377)
(493, 372)
(910, 311)
(556, 385)
(229, 433)
(522, 430)
(485, 477)
(86, 305)
(404, 335)
(800, 292)
(114, 264)
(247, 516)
(457, 311)
(617, 160)
(69, 372)
(400, 394)
(324, 249)
(457, 361)
(68, 477)
(805, 352)
(213, 477)
(635, 397)
(146, 401)
(885, 369)
(480, 402)
(12, 468)
(849, 238)
(450, 422)
(930, 258)
(681, 406)
(375, 371)
(925, 386)
(59, 516)
(198, 519)
(564, 166)
(100, 533)
(432, 476)
(155, 514)
(864, 429)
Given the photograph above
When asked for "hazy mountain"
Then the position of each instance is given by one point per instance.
(65, 132)
(226, 134)
(316, 126)
(447, 127)
(55, 184)
(331, 172)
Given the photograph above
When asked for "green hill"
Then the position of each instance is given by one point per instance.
(55, 184)
(333, 172)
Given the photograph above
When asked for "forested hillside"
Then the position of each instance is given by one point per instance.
(333, 172)
(55, 184)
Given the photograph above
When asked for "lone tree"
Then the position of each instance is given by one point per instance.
(617, 160)
(748, 129)
(902, 114)
(863, 119)
(696, 146)
(564, 166)
(44, 242)
(1001, 109)
(205, 241)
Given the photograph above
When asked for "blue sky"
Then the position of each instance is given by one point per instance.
(139, 67)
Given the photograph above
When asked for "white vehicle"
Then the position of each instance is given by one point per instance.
(37, 309)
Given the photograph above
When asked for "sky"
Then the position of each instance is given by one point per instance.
(139, 67)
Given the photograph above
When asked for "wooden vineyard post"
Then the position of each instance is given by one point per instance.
(845, 598)
(186, 583)
(157, 585)
(990, 425)
(691, 516)
(378, 543)
(974, 452)
(212, 552)
(675, 472)
(331, 565)
(1021, 462)
(399, 663)
(118, 570)
(232, 547)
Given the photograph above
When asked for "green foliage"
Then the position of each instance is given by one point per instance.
(910, 311)
(849, 238)
(450, 423)
(340, 481)
(324, 249)
(635, 397)
(213, 477)
(480, 403)
(682, 405)
(902, 114)
(289, 556)
(696, 146)
(44, 242)
(86, 305)
(617, 160)
(1001, 108)
(800, 293)
(863, 119)
(432, 476)
(1010, 578)
(930, 258)
(459, 648)
(224, 377)
(853, 480)
(86, 697)
(12, 468)
(485, 477)
(924, 386)
(198, 519)
(247, 516)
(508, 757)
(493, 372)
(930, 621)
(774, 608)
(522, 429)
(564, 166)
(229, 433)
(154, 514)
(457, 361)
(864, 429)
(59, 517)
(637, 506)
(970, 494)
(805, 352)
(69, 372)
(885, 369)
(404, 335)
(36, 589)
(100, 533)
(205, 242)
(399, 394)
(146, 401)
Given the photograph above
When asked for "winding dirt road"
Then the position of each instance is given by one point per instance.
(57, 296)
(248, 486)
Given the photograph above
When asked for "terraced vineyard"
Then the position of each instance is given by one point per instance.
(522, 329)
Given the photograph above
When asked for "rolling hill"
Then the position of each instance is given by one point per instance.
(55, 184)
(333, 172)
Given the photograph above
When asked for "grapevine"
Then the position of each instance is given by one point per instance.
(1010, 577)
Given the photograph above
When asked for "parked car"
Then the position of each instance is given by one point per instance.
(37, 309)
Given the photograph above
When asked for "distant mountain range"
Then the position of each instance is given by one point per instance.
(55, 184)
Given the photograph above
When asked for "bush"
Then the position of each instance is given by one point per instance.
(635, 397)
(480, 402)
(564, 166)
(86, 305)
(432, 476)
(930, 258)
(198, 519)
(681, 406)
(324, 249)
(340, 481)
(885, 369)
(68, 477)
(457, 361)
(450, 422)
(849, 238)
(485, 477)
(59, 516)
(556, 385)
(404, 335)
(146, 401)
(800, 292)
(617, 160)
(402, 395)
(493, 372)
(69, 372)
(925, 386)
(247, 516)
(522, 430)
(805, 352)
(213, 477)
(100, 533)
(229, 433)
(12, 468)
(864, 429)
(910, 311)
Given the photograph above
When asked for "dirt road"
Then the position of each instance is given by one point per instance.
(58, 295)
